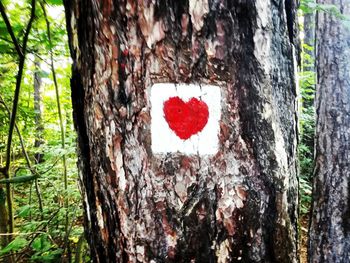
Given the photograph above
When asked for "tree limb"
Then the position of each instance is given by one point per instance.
(19, 179)
(20, 138)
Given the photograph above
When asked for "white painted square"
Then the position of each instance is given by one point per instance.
(164, 139)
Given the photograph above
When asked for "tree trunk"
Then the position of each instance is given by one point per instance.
(141, 206)
(3, 219)
(329, 237)
(309, 40)
(39, 127)
(38, 112)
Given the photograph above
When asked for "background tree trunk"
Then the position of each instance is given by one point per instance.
(3, 218)
(240, 204)
(329, 235)
(38, 111)
(309, 40)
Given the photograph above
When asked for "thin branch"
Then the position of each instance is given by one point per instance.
(63, 140)
(23, 234)
(29, 27)
(6, 40)
(18, 84)
(10, 30)
(19, 179)
(40, 57)
(51, 167)
(33, 171)
(57, 93)
(26, 157)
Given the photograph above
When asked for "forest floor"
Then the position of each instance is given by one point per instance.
(304, 224)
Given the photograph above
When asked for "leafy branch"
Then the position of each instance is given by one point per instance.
(10, 31)
(310, 6)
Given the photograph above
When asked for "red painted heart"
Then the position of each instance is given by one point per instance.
(185, 118)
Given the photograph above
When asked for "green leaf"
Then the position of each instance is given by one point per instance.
(41, 243)
(3, 30)
(44, 74)
(17, 244)
(5, 48)
(49, 256)
(24, 211)
(54, 2)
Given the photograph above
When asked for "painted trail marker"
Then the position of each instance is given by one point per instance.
(185, 118)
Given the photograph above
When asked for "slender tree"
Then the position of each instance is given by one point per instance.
(38, 110)
(239, 204)
(329, 235)
(21, 52)
(3, 217)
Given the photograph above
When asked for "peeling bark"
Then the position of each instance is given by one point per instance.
(237, 205)
(329, 235)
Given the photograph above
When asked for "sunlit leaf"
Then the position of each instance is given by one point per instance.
(17, 244)
(54, 2)
(24, 211)
(41, 243)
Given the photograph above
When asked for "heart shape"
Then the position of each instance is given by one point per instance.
(185, 118)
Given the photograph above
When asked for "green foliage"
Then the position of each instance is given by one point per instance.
(41, 233)
(15, 245)
(310, 6)
(307, 83)
(44, 250)
(54, 2)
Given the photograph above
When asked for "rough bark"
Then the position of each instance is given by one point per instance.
(329, 238)
(240, 204)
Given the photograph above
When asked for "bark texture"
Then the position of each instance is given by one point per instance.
(237, 205)
(329, 238)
